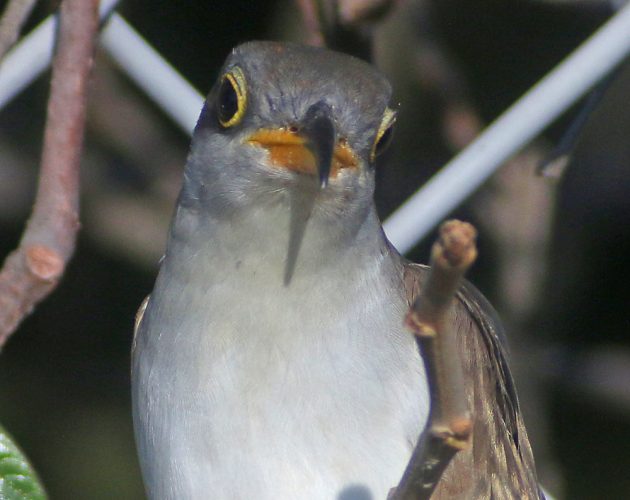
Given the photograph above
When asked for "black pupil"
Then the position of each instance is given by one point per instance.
(228, 101)
(384, 141)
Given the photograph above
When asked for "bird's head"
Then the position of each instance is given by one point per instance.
(293, 133)
(285, 119)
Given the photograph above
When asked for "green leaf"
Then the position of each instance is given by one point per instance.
(18, 480)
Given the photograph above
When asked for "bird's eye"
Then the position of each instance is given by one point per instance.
(384, 134)
(232, 98)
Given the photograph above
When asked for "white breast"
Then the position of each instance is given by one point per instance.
(246, 388)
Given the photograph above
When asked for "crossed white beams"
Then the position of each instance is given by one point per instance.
(448, 188)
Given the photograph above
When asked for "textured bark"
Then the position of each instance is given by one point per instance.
(34, 269)
(449, 426)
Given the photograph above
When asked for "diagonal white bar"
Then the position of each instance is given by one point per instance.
(32, 55)
(525, 119)
(151, 72)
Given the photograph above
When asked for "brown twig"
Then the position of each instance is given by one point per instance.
(353, 12)
(34, 269)
(343, 24)
(449, 427)
(13, 18)
(312, 22)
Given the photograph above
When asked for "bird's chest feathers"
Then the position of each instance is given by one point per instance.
(305, 374)
(281, 351)
(288, 379)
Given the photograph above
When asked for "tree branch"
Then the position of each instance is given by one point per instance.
(342, 24)
(450, 425)
(13, 18)
(34, 269)
(312, 22)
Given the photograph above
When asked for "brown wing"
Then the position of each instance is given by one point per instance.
(499, 463)
(138, 320)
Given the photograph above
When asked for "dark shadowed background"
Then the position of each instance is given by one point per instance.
(554, 254)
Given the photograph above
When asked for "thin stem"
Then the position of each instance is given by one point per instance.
(13, 18)
(34, 269)
(312, 22)
(449, 426)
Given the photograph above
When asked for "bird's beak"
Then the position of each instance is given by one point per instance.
(311, 147)
(319, 132)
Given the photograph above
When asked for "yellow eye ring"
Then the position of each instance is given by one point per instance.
(384, 134)
(232, 98)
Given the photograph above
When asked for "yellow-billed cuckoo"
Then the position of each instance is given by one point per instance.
(271, 360)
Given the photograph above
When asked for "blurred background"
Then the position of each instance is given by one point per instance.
(554, 250)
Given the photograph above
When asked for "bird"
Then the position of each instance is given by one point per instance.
(271, 359)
